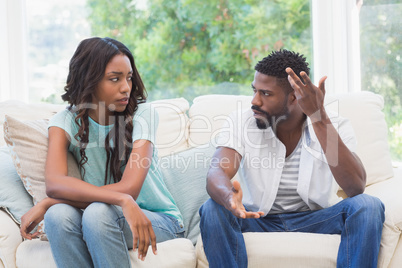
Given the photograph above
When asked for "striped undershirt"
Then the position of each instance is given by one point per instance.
(287, 198)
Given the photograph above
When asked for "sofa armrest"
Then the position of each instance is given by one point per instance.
(10, 239)
(390, 193)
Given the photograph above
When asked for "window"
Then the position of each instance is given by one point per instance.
(182, 48)
(54, 30)
(381, 62)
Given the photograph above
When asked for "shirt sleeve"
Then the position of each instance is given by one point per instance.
(145, 122)
(230, 133)
(64, 120)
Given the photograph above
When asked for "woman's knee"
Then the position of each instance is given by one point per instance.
(99, 216)
(62, 217)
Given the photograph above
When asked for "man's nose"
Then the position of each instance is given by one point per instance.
(256, 100)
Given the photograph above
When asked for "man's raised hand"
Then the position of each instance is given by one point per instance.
(309, 97)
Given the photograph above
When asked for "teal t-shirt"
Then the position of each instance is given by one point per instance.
(154, 195)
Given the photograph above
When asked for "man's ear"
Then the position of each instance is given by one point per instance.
(292, 98)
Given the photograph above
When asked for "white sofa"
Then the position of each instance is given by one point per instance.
(185, 142)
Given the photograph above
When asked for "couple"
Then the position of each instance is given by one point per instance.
(93, 222)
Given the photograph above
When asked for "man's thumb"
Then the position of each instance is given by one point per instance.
(236, 186)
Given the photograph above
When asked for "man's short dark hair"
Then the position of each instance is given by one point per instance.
(276, 63)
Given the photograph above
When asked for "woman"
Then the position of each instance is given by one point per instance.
(122, 201)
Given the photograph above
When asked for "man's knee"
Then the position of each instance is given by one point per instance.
(370, 205)
(210, 207)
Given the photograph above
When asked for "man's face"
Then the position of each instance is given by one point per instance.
(269, 102)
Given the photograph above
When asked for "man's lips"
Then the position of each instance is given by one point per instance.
(257, 113)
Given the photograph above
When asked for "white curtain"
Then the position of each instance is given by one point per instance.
(13, 51)
(336, 44)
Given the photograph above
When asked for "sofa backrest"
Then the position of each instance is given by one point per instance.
(182, 127)
(363, 109)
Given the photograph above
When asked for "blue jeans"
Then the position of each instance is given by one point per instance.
(99, 236)
(359, 221)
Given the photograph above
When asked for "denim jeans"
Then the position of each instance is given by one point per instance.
(99, 236)
(359, 221)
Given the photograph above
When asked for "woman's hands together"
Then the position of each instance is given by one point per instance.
(31, 219)
(141, 227)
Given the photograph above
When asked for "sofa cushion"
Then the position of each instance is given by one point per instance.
(364, 110)
(27, 141)
(13, 196)
(26, 111)
(172, 131)
(207, 114)
(171, 254)
(185, 176)
(285, 250)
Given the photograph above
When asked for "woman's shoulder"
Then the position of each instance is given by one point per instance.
(62, 117)
(146, 110)
(142, 107)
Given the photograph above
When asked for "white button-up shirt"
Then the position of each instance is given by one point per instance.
(263, 158)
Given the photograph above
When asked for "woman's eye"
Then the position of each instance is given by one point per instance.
(114, 79)
(129, 78)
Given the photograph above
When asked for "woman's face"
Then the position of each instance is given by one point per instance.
(113, 91)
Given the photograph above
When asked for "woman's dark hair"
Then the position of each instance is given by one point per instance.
(276, 63)
(86, 70)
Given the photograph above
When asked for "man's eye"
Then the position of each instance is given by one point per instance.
(265, 93)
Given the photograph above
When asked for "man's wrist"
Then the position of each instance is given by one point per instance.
(319, 116)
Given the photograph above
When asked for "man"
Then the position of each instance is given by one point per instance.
(291, 161)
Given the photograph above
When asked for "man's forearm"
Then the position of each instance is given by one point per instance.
(345, 166)
(219, 186)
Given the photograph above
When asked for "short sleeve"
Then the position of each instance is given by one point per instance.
(230, 133)
(145, 122)
(64, 120)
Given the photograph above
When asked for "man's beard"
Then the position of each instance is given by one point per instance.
(268, 120)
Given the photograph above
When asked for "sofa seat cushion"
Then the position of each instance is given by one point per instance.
(392, 199)
(285, 250)
(171, 254)
(10, 238)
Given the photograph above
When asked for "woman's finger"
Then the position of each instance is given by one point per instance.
(135, 239)
(146, 244)
(153, 239)
(141, 244)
